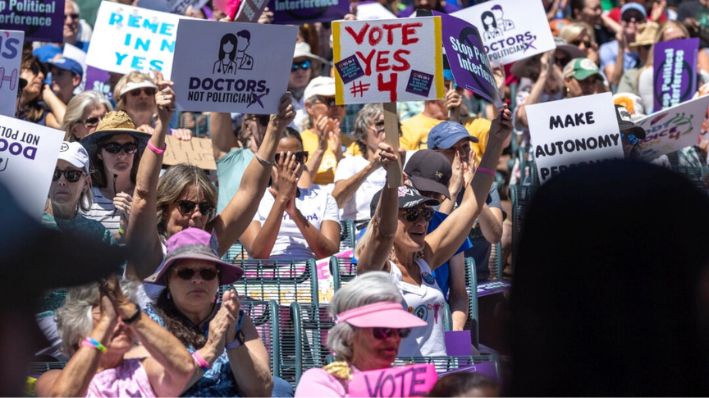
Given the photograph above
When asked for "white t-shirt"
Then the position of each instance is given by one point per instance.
(426, 302)
(315, 204)
(357, 207)
(102, 210)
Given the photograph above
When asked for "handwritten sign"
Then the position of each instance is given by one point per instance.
(388, 60)
(511, 30)
(243, 67)
(674, 72)
(572, 132)
(28, 155)
(297, 12)
(197, 152)
(467, 59)
(10, 56)
(129, 38)
(401, 381)
(672, 129)
(326, 282)
(41, 20)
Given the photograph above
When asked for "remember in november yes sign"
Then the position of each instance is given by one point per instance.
(388, 60)
(572, 132)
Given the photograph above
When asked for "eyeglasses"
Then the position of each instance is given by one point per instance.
(149, 91)
(385, 333)
(115, 148)
(69, 174)
(188, 206)
(300, 157)
(413, 214)
(71, 16)
(379, 125)
(91, 121)
(586, 43)
(304, 65)
(329, 101)
(206, 274)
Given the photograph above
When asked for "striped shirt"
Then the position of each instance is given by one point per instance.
(103, 211)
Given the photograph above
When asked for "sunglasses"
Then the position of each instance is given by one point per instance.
(206, 274)
(300, 157)
(149, 91)
(379, 126)
(586, 43)
(327, 101)
(69, 174)
(304, 65)
(91, 121)
(115, 148)
(385, 333)
(71, 16)
(188, 206)
(413, 214)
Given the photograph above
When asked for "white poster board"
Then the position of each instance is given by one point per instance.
(10, 57)
(510, 29)
(673, 128)
(242, 67)
(28, 156)
(129, 38)
(573, 132)
(388, 60)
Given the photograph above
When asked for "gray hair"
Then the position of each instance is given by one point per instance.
(74, 319)
(76, 107)
(369, 288)
(362, 122)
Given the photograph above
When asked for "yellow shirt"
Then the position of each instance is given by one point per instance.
(414, 132)
(326, 173)
(480, 128)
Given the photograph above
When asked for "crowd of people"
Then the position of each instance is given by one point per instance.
(285, 184)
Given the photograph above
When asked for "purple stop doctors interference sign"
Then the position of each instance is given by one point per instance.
(41, 20)
(295, 12)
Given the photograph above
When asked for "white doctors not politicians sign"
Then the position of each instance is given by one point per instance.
(510, 29)
(573, 132)
(28, 156)
(232, 67)
(10, 55)
(129, 38)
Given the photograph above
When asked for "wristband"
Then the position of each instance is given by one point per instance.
(155, 149)
(264, 162)
(200, 361)
(239, 339)
(93, 343)
(133, 317)
(487, 171)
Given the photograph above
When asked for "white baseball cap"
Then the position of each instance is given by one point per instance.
(130, 86)
(302, 49)
(75, 154)
(321, 85)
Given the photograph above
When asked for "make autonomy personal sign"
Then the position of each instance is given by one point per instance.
(10, 55)
(41, 20)
(242, 67)
(573, 132)
(511, 29)
(674, 72)
(303, 11)
(467, 59)
(388, 60)
(129, 38)
(672, 129)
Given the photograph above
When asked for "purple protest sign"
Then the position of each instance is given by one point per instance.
(296, 12)
(467, 59)
(674, 72)
(98, 80)
(41, 20)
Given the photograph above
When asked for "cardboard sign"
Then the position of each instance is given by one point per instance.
(388, 60)
(28, 156)
(41, 20)
(672, 129)
(129, 38)
(10, 57)
(373, 10)
(297, 12)
(674, 72)
(243, 67)
(467, 59)
(511, 30)
(197, 152)
(573, 132)
(401, 381)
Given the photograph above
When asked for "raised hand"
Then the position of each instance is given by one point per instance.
(502, 125)
(164, 98)
(286, 113)
(289, 171)
(123, 201)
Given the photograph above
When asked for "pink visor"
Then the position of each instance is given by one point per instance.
(380, 315)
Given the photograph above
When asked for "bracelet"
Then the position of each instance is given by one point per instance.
(133, 317)
(239, 339)
(264, 162)
(93, 343)
(155, 149)
(200, 361)
(485, 170)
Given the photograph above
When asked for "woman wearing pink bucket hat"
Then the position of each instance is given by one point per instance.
(370, 322)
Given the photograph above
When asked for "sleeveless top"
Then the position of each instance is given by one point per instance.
(426, 302)
(129, 379)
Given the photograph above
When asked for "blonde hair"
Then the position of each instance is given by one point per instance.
(132, 77)
(573, 30)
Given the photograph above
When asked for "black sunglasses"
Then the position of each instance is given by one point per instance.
(586, 43)
(91, 121)
(149, 91)
(114, 148)
(304, 65)
(300, 157)
(206, 274)
(188, 206)
(413, 214)
(385, 333)
(327, 101)
(69, 174)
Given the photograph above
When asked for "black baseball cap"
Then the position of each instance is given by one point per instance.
(429, 171)
(626, 124)
(408, 197)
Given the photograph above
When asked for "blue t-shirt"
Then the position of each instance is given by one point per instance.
(230, 169)
(609, 52)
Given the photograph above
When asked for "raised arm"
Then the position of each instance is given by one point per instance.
(442, 243)
(222, 132)
(237, 215)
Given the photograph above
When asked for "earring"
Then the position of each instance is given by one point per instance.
(169, 296)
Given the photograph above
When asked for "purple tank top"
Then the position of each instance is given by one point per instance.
(127, 380)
